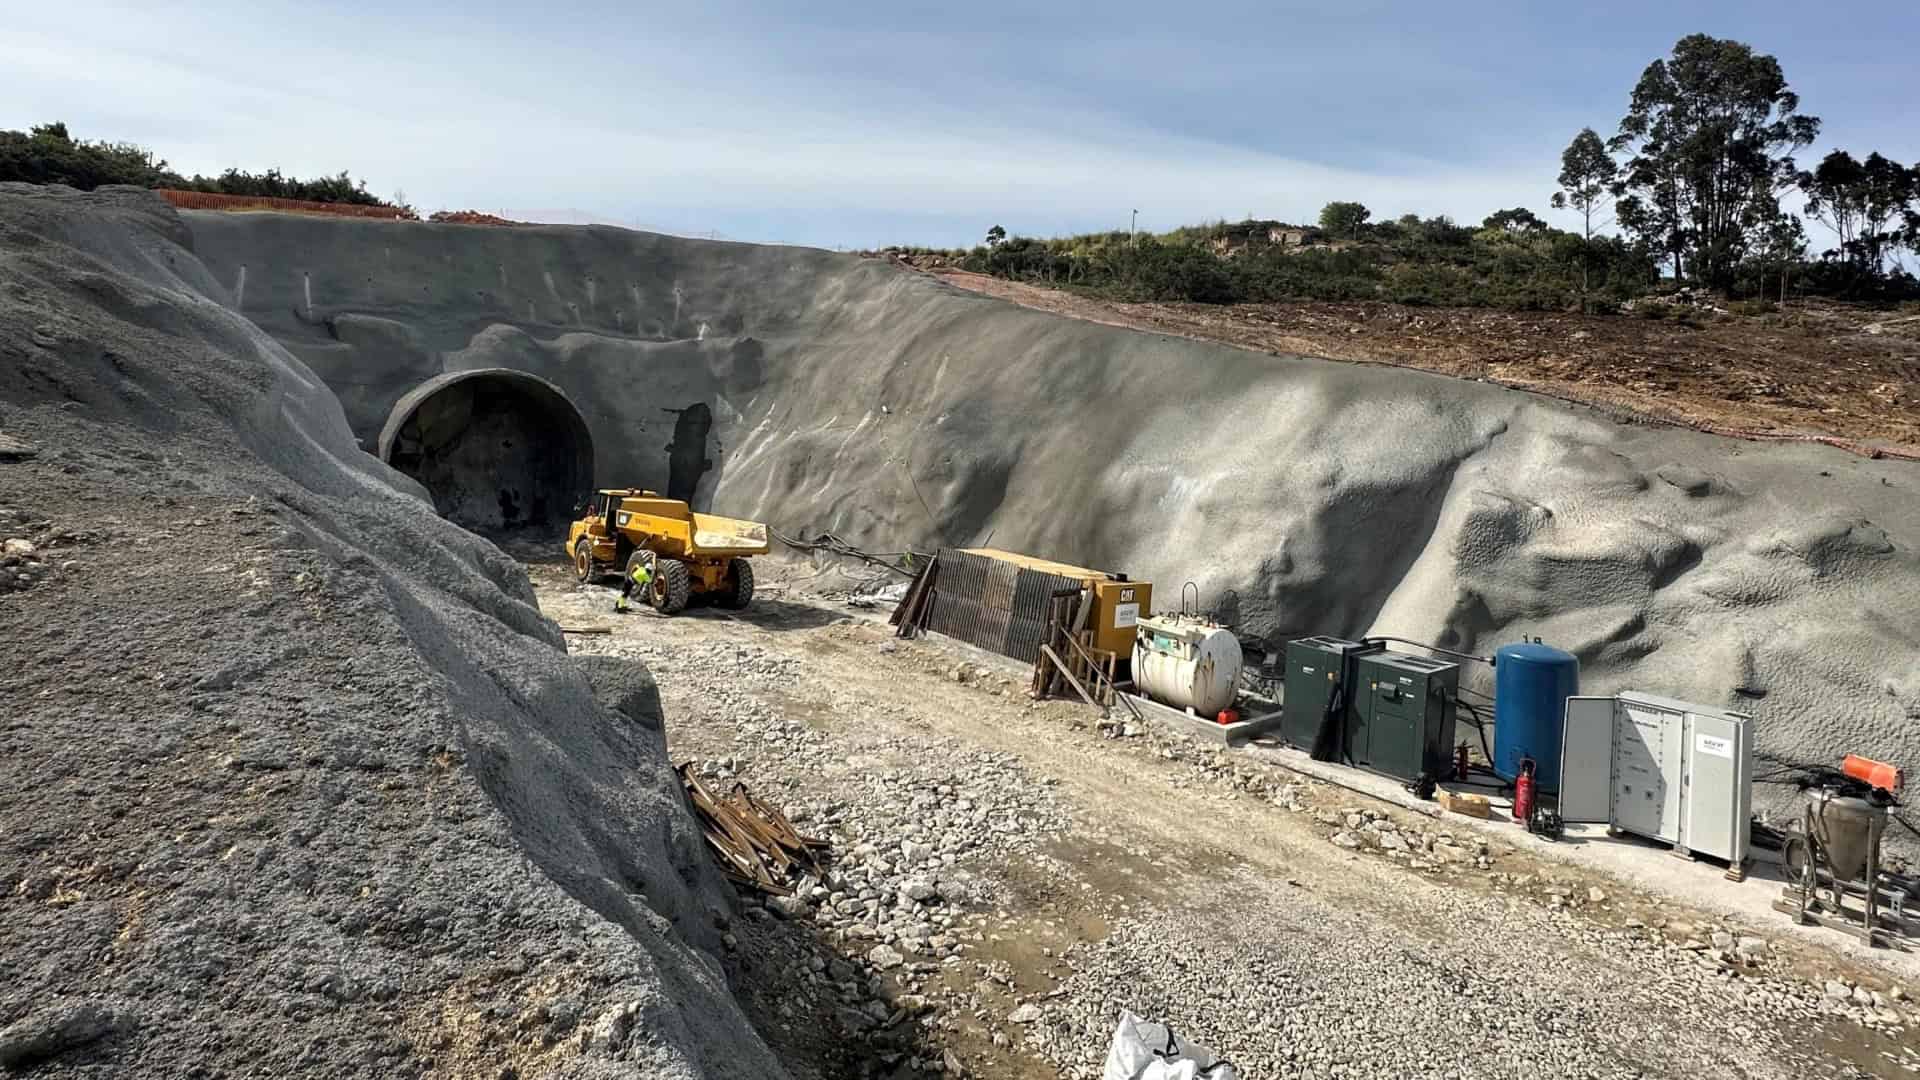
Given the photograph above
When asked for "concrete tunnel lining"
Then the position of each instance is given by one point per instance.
(498, 449)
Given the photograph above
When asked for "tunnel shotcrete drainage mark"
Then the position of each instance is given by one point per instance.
(500, 450)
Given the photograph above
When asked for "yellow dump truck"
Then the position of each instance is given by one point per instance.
(690, 553)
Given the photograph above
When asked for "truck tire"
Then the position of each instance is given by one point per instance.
(583, 561)
(672, 585)
(636, 558)
(739, 585)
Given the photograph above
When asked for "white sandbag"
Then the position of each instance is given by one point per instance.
(1143, 1050)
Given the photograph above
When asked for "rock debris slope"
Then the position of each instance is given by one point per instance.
(1301, 496)
(299, 782)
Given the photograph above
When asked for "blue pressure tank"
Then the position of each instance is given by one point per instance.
(1531, 685)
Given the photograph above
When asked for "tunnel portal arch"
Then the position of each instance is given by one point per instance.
(500, 450)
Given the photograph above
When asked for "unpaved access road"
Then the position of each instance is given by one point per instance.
(1009, 875)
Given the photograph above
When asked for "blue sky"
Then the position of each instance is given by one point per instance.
(860, 124)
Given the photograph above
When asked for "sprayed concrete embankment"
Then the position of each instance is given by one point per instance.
(299, 780)
(826, 392)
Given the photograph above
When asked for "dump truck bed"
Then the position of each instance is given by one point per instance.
(716, 535)
(697, 535)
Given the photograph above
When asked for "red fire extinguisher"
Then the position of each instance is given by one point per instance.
(1523, 792)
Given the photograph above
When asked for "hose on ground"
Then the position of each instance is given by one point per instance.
(830, 543)
(1487, 660)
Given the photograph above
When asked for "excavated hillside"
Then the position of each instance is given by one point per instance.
(299, 781)
(823, 392)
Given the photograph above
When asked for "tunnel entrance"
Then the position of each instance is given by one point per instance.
(500, 451)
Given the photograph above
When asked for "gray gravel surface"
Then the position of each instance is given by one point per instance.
(299, 781)
(1297, 929)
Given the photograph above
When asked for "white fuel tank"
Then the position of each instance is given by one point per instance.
(1187, 663)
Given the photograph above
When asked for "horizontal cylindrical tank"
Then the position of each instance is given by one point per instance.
(1531, 685)
(1187, 665)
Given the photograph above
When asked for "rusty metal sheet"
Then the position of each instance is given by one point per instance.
(995, 605)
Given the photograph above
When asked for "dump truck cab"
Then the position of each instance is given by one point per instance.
(690, 553)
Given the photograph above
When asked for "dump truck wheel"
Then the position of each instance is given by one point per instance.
(583, 560)
(672, 585)
(640, 558)
(739, 584)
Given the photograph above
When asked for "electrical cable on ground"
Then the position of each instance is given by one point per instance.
(831, 543)
(1478, 724)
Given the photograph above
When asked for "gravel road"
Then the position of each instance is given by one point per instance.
(1010, 875)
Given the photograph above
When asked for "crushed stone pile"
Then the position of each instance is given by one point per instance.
(299, 781)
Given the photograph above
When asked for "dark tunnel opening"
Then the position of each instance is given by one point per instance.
(687, 459)
(500, 451)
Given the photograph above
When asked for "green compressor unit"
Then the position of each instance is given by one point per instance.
(1402, 719)
(1322, 675)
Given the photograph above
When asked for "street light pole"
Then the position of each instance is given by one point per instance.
(1133, 226)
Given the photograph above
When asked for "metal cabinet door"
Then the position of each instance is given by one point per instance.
(1647, 770)
(1586, 759)
(1393, 739)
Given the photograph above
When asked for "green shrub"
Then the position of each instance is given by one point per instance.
(49, 154)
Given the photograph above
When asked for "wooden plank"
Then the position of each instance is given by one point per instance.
(1047, 651)
(1464, 803)
(907, 615)
(1103, 680)
(586, 629)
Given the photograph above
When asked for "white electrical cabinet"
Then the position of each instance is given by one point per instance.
(1665, 769)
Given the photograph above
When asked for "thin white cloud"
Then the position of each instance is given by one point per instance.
(665, 140)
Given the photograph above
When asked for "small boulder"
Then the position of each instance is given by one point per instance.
(55, 1030)
(609, 1033)
(1025, 1014)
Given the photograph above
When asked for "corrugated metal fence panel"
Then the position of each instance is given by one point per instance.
(958, 592)
(994, 605)
(1027, 628)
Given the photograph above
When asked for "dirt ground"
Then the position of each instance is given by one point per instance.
(1279, 936)
(1810, 368)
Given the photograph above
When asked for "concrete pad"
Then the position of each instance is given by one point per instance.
(1643, 863)
(1200, 726)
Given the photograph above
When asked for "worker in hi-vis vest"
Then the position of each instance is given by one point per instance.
(638, 578)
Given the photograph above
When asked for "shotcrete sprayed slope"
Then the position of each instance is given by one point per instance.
(299, 780)
(1301, 495)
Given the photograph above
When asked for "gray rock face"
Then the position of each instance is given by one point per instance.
(305, 784)
(1303, 497)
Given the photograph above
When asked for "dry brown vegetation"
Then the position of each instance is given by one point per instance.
(1812, 368)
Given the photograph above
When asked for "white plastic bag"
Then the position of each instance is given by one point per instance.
(1143, 1050)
